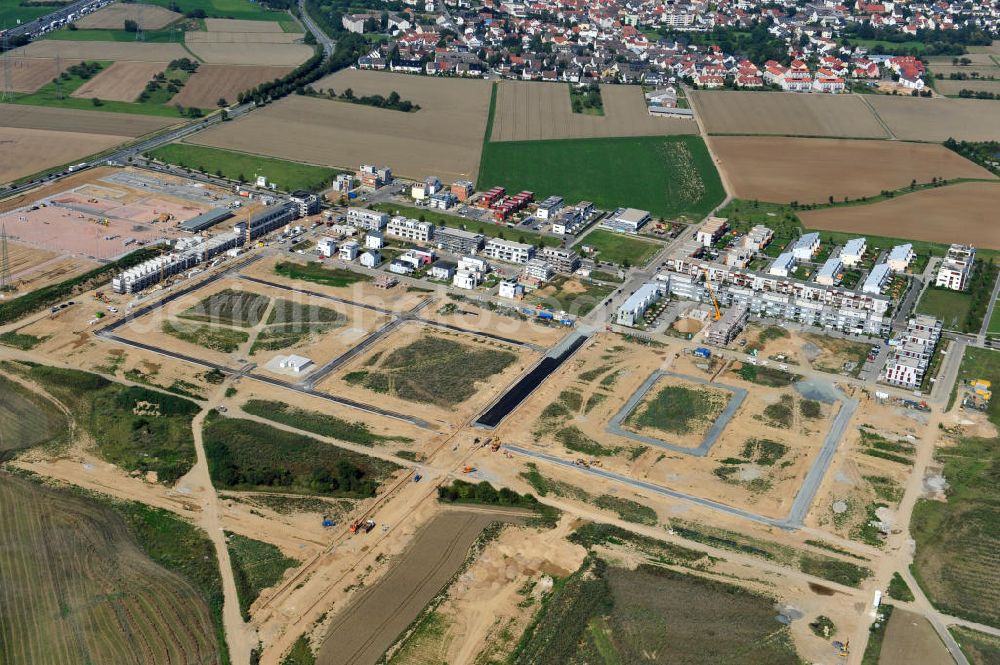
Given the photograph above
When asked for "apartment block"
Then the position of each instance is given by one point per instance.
(457, 241)
(369, 220)
(509, 251)
(726, 329)
(410, 229)
(956, 267)
(911, 357)
(562, 260)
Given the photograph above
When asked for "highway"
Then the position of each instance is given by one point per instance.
(33, 27)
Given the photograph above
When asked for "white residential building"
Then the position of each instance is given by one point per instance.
(828, 274)
(900, 257)
(509, 251)
(632, 310)
(911, 358)
(758, 238)
(369, 220)
(538, 269)
(509, 288)
(549, 207)
(410, 229)
(783, 265)
(710, 231)
(349, 250)
(371, 258)
(473, 264)
(876, 279)
(326, 247)
(956, 267)
(464, 279)
(852, 252)
(374, 240)
(806, 247)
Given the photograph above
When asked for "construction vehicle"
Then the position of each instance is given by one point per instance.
(582, 462)
(495, 446)
(469, 469)
(711, 292)
(363, 525)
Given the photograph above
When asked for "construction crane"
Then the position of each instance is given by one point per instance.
(711, 292)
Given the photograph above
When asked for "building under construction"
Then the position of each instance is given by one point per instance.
(187, 253)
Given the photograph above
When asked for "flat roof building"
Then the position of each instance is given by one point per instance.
(632, 310)
(458, 241)
(205, 220)
(626, 220)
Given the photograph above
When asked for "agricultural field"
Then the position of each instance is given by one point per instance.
(603, 613)
(785, 169)
(957, 540)
(229, 307)
(287, 175)
(78, 587)
(214, 82)
(269, 54)
(979, 648)
(949, 87)
(134, 428)
(919, 119)
(955, 213)
(30, 74)
(122, 81)
(27, 419)
(619, 248)
(41, 149)
(786, 114)
(531, 111)
(445, 137)
(248, 37)
(213, 338)
(237, 12)
(251, 456)
(75, 51)
(910, 638)
(292, 323)
(113, 17)
(74, 121)
(669, 176)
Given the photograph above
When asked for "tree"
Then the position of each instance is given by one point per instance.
(131, 26)
(71, 27)
(348, 94)
(96, 102)
(222, 102)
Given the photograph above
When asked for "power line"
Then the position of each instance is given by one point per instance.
(6, 284)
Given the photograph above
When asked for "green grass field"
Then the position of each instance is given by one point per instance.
(148, 36)
(958, 541)
(216, 338)
(229, 307)
(979, 648)
(318, 423)
(678, 409)
(994, 328)
(318, 274)
(256, 566)
(27, 419)
(288, 176)
(669, 176)
(238, 9)
(488, 229)
(952, 307)
(620, 248)
(12, 12)
(578, 299)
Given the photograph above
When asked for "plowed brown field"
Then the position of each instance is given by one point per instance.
(920, 119)
(252, 54)
(786, 114)
(30, 74)
(530, 111)
(121, 82)
(444, 137)
(113, 17)
(783, 170)
(211, 82)
(39, 149)
(964, 213)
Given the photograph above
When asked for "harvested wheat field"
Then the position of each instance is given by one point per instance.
(948, 87)
(963, 213)
(32, 268)
(239, 25)
(786, 114)
(242, 37)
(112, 17)
(211, 82)
(76, 51)
(531, 111)
(444, 137)
(85, 122)
(783, 170)
(252, 54)
(30, 74)
(39, 149)
(921, 119)
(121, 82)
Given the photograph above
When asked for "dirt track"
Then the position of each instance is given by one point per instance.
(964, 213)
(782, 169)
(363, 631)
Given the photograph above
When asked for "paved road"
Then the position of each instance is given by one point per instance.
(989, 312)
(33, 27)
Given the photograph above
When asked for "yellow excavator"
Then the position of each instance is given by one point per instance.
(711, 292)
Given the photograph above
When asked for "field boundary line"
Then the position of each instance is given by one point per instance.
(864, 99)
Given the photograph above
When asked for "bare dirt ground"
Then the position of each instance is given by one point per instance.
(811, 170)
(30, 74)
(242, 37)
(73, 121)
(406, 334)
(252, 53)
(909, 638)
(122, 81)
(919, 119)
(472, 317)
(112, 17)
(787, 114)
(39, 149)
(961, 213)
(212, 82)
(33, 268)
(238, 25)
(41, 192)
(77, 51)
(444, 137)
(528, 111)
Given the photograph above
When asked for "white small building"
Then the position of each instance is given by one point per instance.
(626, 220)
(509, 288)
(632, 310)
(711, 231)
(410, 229)
(293, 363)
(956, 267)
(876, 279)
(853, 251)
(806, 247)
(371, 259)
(349, 250)
(828, 274)
(426, 189)
(374, 240)
(369, 220)
(473, 264)
(783, 265)
(538, 269)
(443, 270)
(326, 246)
(900, 257)
(549, 207)
(464, 279)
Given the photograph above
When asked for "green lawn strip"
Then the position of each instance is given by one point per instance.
(14, 11)
(957, 540)
(489, 118)
(994, 327)
(669, 176)
(301, 653)
(899, 590)
(240, 166)
(21, 341)
(319, 274)
(979, 648)
(488, 229)
(59, 96)
(137, 429)
(484, 493)
(256, 566)
(247, 455)
(216, 338)
(105, 35)
(675, 409)
(319, 423)
(236, 9)
(876, 634)
(619, 248)
(962, 310)
(572, 301)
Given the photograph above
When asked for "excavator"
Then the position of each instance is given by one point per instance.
(711, 292)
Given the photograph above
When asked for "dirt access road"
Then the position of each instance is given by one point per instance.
(364, 631)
